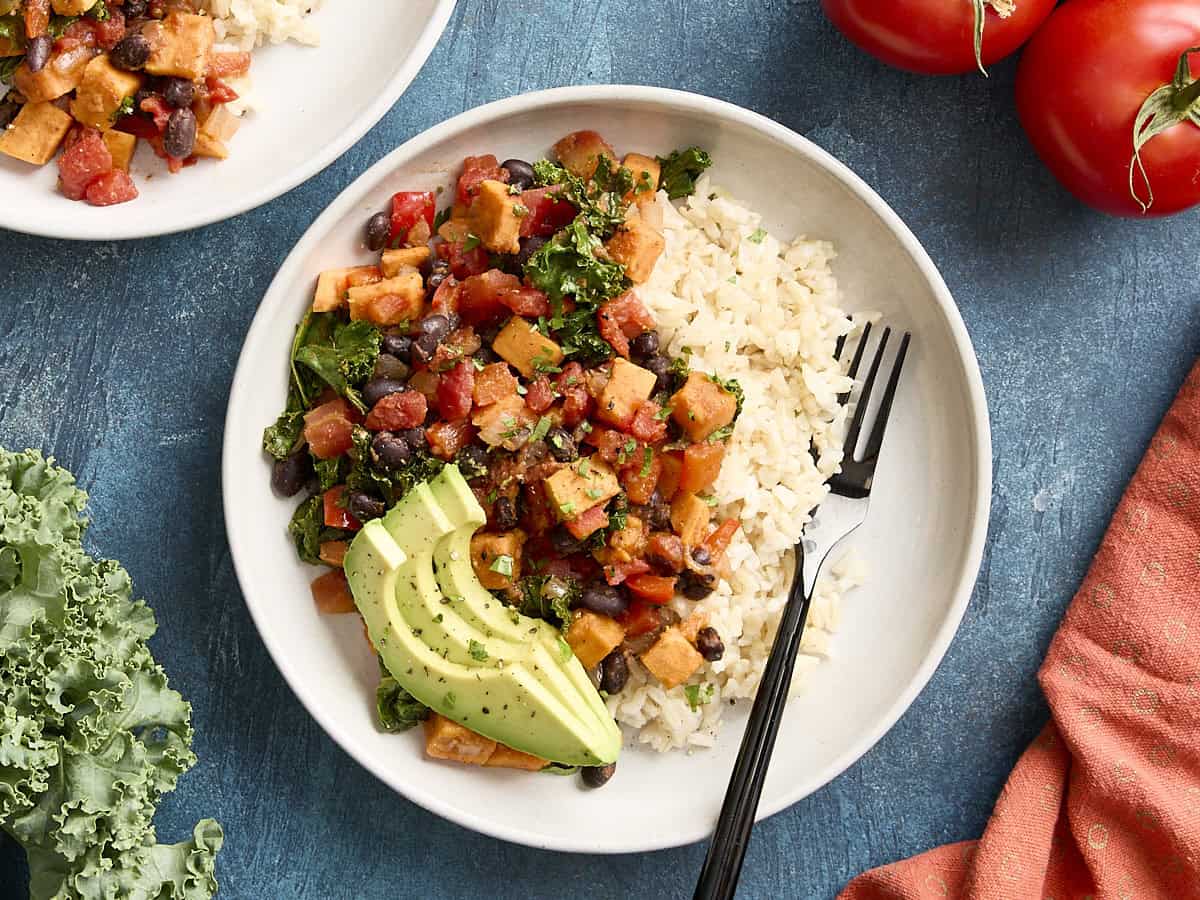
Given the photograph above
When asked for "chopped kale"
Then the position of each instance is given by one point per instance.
(328, 471)
(680, 171)
(364, 475)
(309, 532)
(398, 709)
(549, 597)
(281, 438)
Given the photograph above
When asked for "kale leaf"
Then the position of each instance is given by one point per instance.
(8, 67)
(601, 201)
(281, 439)
(549, 597)
(329, 471)
(364, 475)
(680, 171)
(357, 345)
(398, 709)
(309, 531)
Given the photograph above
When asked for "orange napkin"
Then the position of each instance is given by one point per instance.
(1106, 801)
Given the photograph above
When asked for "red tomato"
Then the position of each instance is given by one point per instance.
(447, 438)
(586, 522)
(718, 541)
(223, 65)
(111, 30)
(622, 318)
(648, 425)
(328, 429)
(336, 515)
(111, 188)
(219, 91)
(481, 296)
(1081, 83)
(463, 263)
(455, 390)
(539, 397)
(157, 108)
(405, 409)
(476, 170)
(546, 214)
(85, 159)
(934, 37)
(526, 301)
(577, 402)
(641, 617)
(445, 298)
(331, 593)
(655, 588)
(409, 207)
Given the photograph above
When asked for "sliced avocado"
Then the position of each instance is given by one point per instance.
(460, 650)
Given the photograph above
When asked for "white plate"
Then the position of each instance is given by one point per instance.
(314, 103)
(924, 538)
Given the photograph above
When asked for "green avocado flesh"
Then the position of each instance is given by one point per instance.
(460, 650)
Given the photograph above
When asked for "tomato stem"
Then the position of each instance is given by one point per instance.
(1186, 97)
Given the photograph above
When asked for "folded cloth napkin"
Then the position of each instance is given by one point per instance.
(1106, 801)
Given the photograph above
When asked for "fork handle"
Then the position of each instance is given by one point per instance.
(723, 864)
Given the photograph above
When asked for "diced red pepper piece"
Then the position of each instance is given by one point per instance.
(336, 515)
(328, 428)
(655, 588)
(617, 572)
(331, 593)
(718, 542)
(406, 409)
(409, 207)
(547, 214)
(463, 263)
(641, 617)
(539, 396)
(614, 446)
(447, 438)
(476, 170)
(586, 522)
(455, 391)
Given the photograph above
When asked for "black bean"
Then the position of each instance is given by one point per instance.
(529, 246)
(658, 513)
(661, 367)
(486, 356)
(436, 326)
(614, 672)
(696, 586)
(604, 599)
(415, 438)
(505, 512)
(378, 388)
(364, 507)
(562, 445)
(379, 228)
(8, 112)
(37, 52)
(131, 52)
(709, 644)
(645, 345)
(520, 173)
(455, 321)
(387, 366)
(473, 461)
(134, 9)
(702, 556)
(398, 345)
(178, 92)
(292, 473)
(424, 347)
(389, 451)
(598, 776)
(179, 140)
(439, 273)
(563, 542)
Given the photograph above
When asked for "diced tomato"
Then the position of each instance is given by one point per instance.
(139, 126)
(717, 542)
(547, 214)
(85, 159)
(655, 588)
(447, 438)
(109, 31)
(641, 617)
(482, 293)
(331, 593)
(405, 409)
(328, 428)
(639, 480)
(526, 301)
(672, 471)
(540, 394)
(617, 572)
(408, 207)
(586, 522)
(577, 403)
(156, 107)
(37, 18)
(223, 65)
(494, 382)
(649, 425)
(111, 188)
(446, 297)
(623, 318)
(476, 170)
(455, 390)
(218, 91)
(666, 550)
(701, 466)
(463, 263)
(336, 514)
(613, 446)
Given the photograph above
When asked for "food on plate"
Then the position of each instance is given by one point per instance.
(1127, 143)
(93, 78)
(938, 37)
(506, 407)
(91, 736)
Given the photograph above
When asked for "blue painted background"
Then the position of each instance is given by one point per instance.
(117, 358)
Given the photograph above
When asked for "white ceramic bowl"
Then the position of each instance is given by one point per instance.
(314, 103)
(924, 538)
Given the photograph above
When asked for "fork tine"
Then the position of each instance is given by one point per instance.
(860, 410)
(885, 406)
(838, 347)
(854, 363)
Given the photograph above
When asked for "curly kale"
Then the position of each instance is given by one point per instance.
(398, 709)
(680, 171)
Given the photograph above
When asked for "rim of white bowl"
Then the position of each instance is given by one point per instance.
(688, 833)
(274, 187)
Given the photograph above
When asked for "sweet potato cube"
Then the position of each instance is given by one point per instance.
(58, 77)
(646, 172)
(689, 518)
(628, 388)
(580, 151)
(72, 7)
(446, 739)
(494, 382)
(394, 261)
(637, 246)
(389, 302)
(220, 124)
(593, 636)
(507, 758)
(333, 553)
(181, 45)
(672, 659)
(332, 285)
(120, 146)
(670, 473)
(35, 134)
(496, 558)
(101, 92)
(209, 147)
(525, 347)
(701, 466)
(628, 543)
(702, 406)
(580, 486)
(690, 627)
(505, 423)
(495, 218)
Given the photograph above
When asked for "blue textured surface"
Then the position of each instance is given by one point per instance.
(117, 358)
